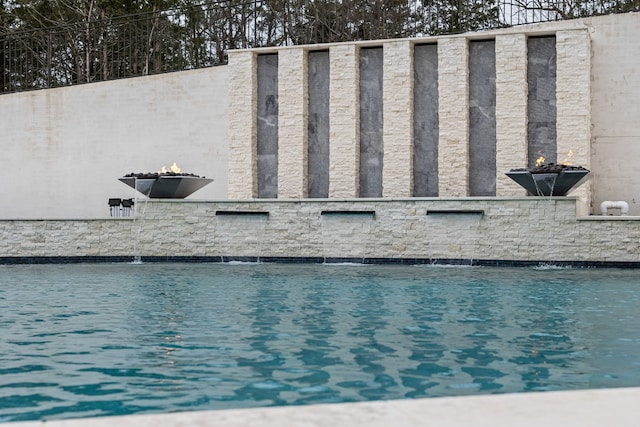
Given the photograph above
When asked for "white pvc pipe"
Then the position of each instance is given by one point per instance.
(607, 204)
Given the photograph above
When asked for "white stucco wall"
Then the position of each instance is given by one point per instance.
(62, 150)
(615, 110)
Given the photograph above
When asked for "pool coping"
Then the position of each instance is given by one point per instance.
(611, 407)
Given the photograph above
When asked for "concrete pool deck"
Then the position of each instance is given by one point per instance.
(584, 408)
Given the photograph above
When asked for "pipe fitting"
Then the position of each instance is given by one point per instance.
(608, 204)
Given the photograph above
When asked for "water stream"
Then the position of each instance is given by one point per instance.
(544, 182)
(138, 219)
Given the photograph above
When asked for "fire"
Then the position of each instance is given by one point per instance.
(567, 160)
(174, 168)
(539, 161)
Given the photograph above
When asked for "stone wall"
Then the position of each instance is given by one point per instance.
(242, 126)
(482, 118)
(511, 110)
(488, 91)
(486, 229)
(318, 126)
(63, 149)
(424, 146)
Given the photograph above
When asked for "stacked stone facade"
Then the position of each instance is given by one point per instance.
(243, 90)
(453, 88)
(397, 174)
(344, 121)
(511, 110)
(529, 229)
(292, 123)
(573, 118)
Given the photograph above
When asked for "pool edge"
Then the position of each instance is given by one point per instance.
(598, 407)
(9, 260)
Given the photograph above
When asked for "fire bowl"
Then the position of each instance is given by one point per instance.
(550, 180)
(165, 186)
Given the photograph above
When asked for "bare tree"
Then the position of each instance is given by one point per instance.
(47, 43)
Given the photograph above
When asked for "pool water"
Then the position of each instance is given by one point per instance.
(111, 339)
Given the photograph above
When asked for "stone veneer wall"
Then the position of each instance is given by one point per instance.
(318, 125)
(267, 126)
(243, 102)
(528, 229)
(482, 118)
(397, 173)
(453, 90)
(425, 122)
(371, 123)
(511, 110)
(541, 101)
(344, 121)
(573, 122)
(292, 123)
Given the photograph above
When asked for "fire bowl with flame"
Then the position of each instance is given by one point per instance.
(167, 183)
(550, 179)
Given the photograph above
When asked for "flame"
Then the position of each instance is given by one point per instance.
(539, 161)
(567, 160)
(174, 168)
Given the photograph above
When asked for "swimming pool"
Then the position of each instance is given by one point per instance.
(110, 339)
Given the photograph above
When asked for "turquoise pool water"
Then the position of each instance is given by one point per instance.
(111, 339)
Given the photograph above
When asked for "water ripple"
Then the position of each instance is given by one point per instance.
(93, 340)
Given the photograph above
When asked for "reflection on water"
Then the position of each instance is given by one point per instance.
(89, 340)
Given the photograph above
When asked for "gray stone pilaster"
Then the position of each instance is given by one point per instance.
(318, 124)
(267, 126)
(482, 118)
(425, 121)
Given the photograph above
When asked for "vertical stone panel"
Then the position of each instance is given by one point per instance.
(292, 123)
(541, 77)
(425, 121)
(482, 118)
(344, 121)
(267, 126)
(511, 111)
(318, 125)
(453, 146)
(371, 122)
(398, 126)
(242, 128)
(573, 93)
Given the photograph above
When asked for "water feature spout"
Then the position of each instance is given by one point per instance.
(165, 186)
(545, 183)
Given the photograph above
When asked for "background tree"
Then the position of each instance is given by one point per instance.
(48, 43)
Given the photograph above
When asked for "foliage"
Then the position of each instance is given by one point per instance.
(48, 43)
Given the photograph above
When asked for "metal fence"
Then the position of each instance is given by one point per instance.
(200, 36)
